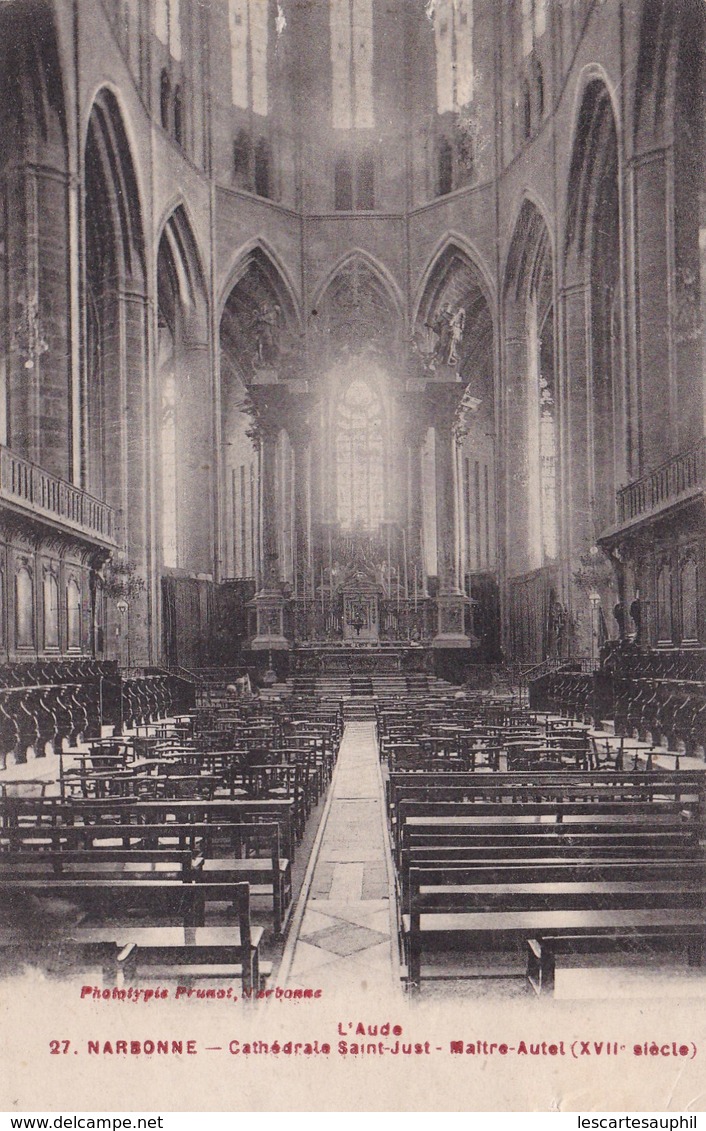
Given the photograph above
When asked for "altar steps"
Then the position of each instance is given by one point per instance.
(366, 688)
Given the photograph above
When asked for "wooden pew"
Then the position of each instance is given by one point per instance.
(54, 812)
(550, 875)
(585, 847)
(685, 786)
(537, 819)
(216, 850)
(462, 906)
(116, 864)
(111, 905)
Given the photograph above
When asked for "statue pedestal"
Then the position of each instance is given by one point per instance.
(450, 633)
(269, 609)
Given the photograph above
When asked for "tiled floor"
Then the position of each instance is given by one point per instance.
(344, 938)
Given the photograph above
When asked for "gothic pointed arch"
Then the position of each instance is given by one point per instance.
(592, 253)
(180, 262)
(114, 355)
(356, 308)
(187, 475)
(110, 172)
(114, 262)
(531, 436)
(261, 369)
(259, 325)
(453, 345)
(454, 327)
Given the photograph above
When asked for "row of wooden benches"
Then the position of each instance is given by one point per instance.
(551, 863)
(214, 853)
(129, 924)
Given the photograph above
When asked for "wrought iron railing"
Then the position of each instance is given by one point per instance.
(30, 487)
(664, 486)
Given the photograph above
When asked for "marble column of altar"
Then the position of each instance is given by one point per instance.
(269, 600)
(443, 400)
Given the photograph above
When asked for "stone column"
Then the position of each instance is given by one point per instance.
(445, 481)
(415, 434)
(132, 496)
(269, 563)
(40, 374)
(195, 457)
(300, 437)
(576, 455)
(654, 339)
(515, 503)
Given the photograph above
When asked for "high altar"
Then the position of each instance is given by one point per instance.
(351, 494)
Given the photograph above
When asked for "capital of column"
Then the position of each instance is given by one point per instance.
(299, 430)
(443, 401)
(264, 429)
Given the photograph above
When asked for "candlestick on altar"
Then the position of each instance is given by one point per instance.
(415, 588)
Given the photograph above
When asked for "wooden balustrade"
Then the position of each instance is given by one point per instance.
(660, 488)
(30, 488)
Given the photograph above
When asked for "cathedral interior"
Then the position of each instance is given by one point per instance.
(351, 352)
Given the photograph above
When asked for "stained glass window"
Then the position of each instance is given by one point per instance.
(352, 64)
(248, 21)
(167, 26)
(359, 458)
(453, 32)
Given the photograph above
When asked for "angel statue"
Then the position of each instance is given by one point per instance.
(266, 324)
(439, 342)
(456, 328)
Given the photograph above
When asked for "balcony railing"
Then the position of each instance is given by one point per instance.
(44, 495)
(676, 478)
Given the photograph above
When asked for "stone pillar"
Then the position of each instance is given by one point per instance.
(132, 496)
(195, 457)
(656, 379)
(445, 481)
(300, 437)
(415, 434)
(269, 563)
(515, 503)
(40, 378)
(577, 454)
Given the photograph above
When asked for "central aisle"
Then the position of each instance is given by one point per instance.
(343, 937)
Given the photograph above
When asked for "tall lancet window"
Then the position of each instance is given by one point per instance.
(167, 26)
(352, 64)
(248, 21)
(534, 23)
(359, 458)
(453, 33)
